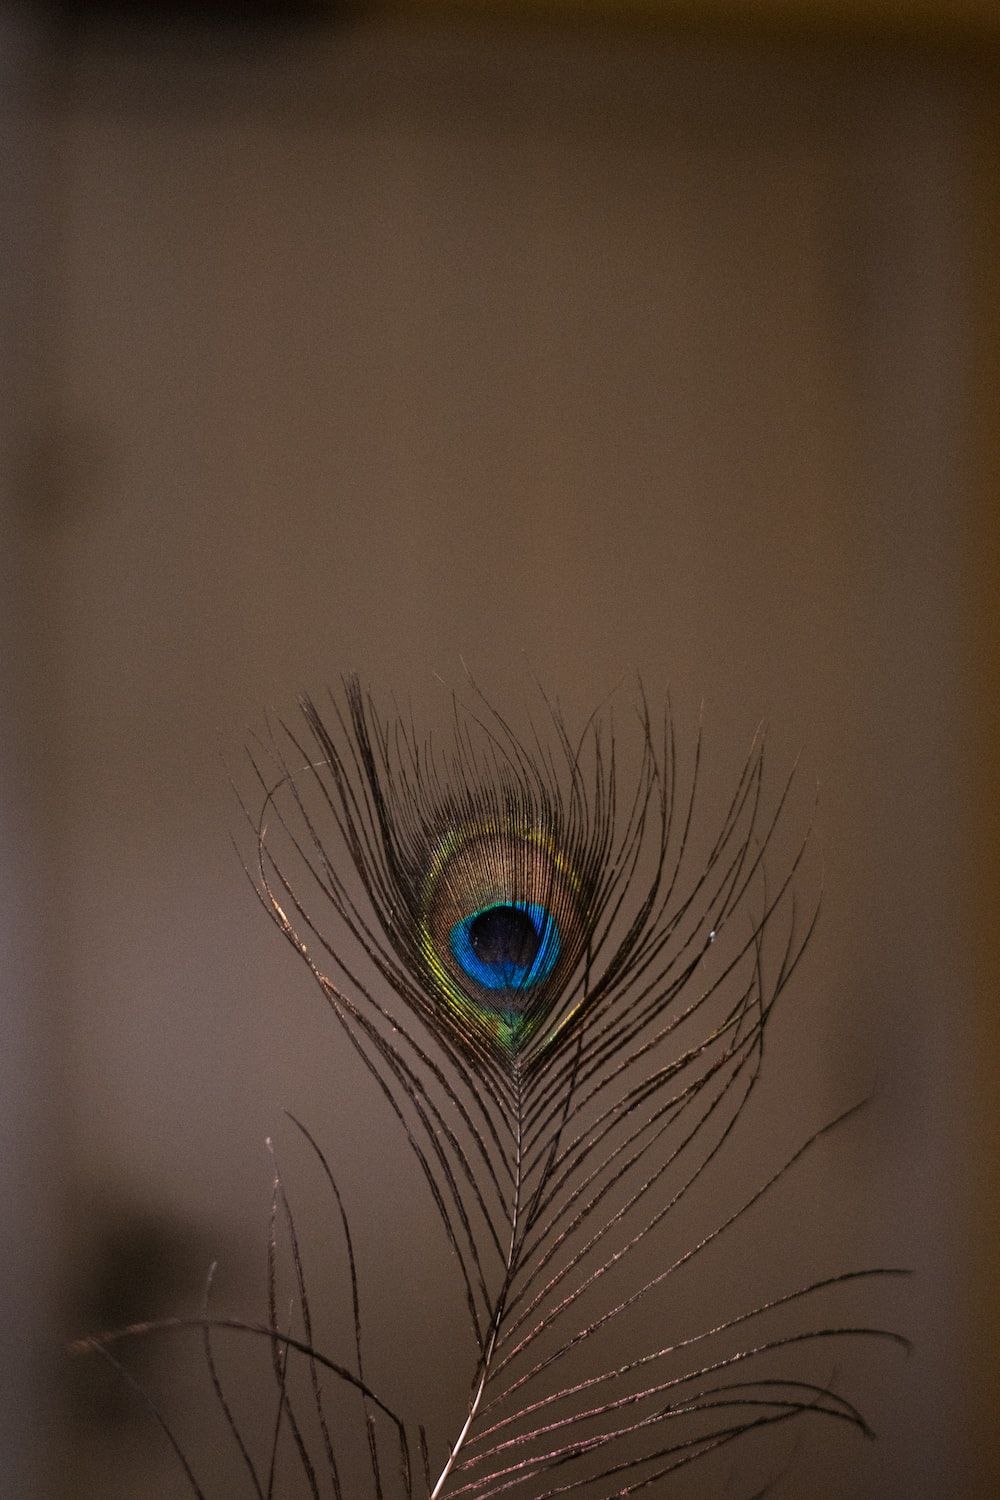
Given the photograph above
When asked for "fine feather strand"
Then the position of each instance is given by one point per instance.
(559, 989)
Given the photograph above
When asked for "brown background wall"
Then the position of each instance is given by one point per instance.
(592, 354)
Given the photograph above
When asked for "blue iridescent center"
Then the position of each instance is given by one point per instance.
(508, 945)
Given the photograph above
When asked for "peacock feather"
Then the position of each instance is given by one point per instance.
(559, 991)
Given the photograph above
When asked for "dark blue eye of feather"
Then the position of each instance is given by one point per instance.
(507, 946)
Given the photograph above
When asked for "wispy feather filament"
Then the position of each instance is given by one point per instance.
(564, 1013)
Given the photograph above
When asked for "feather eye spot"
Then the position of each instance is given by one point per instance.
(501, 926)
(510, 945)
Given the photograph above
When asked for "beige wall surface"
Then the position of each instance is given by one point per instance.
(400, 347)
